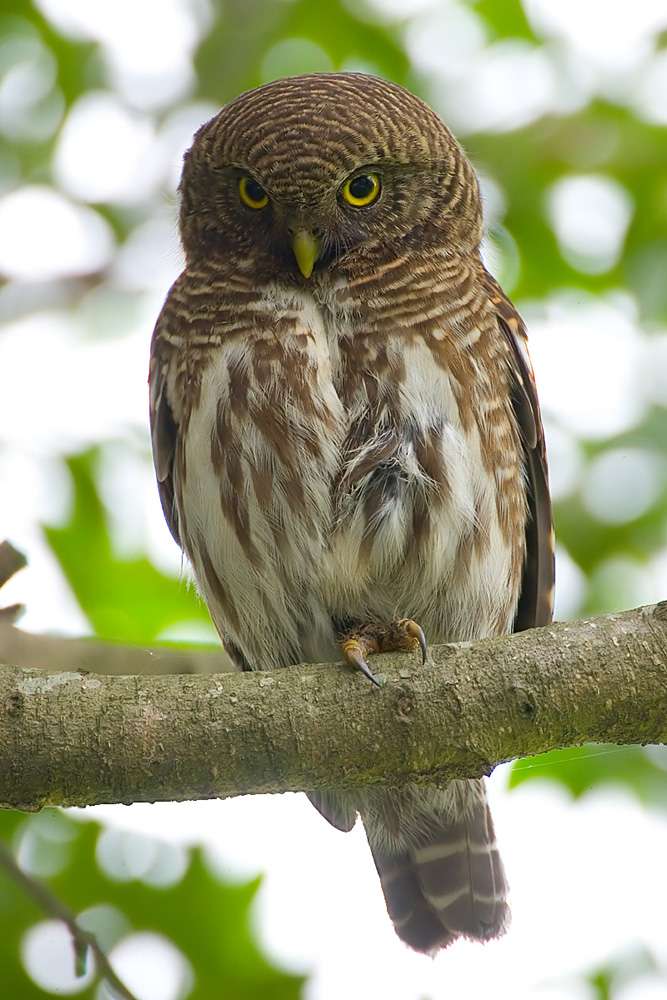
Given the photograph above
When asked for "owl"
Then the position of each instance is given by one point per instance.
(346, 433)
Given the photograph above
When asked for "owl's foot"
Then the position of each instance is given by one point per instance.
(403, 635)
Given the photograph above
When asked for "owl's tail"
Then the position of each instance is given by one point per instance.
(438, 863)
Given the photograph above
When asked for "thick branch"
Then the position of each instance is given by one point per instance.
(79, 739)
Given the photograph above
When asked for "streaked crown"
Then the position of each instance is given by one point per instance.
(301, 137)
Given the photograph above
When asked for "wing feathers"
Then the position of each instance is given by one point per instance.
(536, 599)
(163, 435)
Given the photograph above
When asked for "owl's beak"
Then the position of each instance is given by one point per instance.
(306, 250)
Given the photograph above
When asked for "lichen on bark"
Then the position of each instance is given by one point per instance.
(77, 738)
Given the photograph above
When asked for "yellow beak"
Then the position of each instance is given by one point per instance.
(306, 250)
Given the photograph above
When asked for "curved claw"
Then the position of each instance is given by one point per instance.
(355, 658)
(415, 631)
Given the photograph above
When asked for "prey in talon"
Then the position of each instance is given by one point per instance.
(402, 635)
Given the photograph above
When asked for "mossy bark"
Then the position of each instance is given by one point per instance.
(74, 738)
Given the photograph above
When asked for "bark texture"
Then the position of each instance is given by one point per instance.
(74, 738)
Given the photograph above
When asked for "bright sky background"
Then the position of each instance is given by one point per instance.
(587, 880)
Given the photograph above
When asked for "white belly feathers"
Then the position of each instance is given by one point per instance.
(297, 522)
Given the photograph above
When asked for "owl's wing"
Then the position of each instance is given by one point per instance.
(537, 588)
(164, 434)
(336, 807)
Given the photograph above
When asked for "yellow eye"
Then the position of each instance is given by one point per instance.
(252, 194)
(361, 190)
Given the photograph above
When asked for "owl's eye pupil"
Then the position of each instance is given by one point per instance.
(254, 190)
(362, 187)
(362, 190)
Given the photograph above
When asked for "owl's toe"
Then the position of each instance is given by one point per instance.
(401, 636)
(409, 635)
(355, 649)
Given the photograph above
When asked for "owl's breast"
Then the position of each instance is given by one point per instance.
(412, 489)
(323, 476)
(253, 479)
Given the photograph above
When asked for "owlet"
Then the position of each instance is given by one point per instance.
(346, 432)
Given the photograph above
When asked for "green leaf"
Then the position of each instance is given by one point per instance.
(612, 978)
(506, 18)
(208, 919)
(602, 138)
(125, 599)
(345, 38)
(640, 771)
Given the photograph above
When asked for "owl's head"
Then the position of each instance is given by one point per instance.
(302, 173)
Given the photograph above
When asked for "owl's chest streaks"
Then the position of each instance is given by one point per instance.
(253, 475)
(329, 471)
(410, 478)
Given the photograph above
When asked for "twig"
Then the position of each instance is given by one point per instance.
(11, 561)
(81, 939)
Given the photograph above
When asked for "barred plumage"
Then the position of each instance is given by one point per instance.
(335, 452)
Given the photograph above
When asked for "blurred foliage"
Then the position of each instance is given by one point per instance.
(242, 43)
(601, 138)
(127, 600)
(639, 538)
(612, 978)
(207, 918)
(245, 32)
(579, 769)
(636, 967)
(505, 19)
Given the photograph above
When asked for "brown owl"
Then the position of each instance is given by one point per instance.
(346, 432)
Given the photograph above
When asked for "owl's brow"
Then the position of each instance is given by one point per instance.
(230, 168)
(409, 168)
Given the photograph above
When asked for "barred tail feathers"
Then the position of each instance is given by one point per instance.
(439, 866)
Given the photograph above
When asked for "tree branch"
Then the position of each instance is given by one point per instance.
(11, 561)
(55, 654)
(80, 739)
(82, 940)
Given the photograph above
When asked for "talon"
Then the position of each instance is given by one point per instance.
(415, 631)
(355, 658)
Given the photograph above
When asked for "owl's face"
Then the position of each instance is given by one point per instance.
(304, 173)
